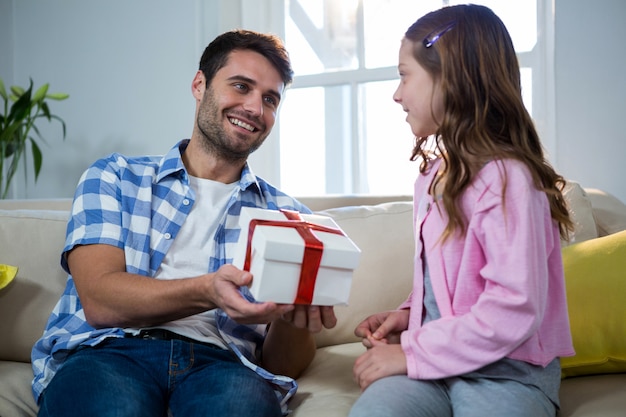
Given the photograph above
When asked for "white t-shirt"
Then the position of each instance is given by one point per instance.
(189, 254)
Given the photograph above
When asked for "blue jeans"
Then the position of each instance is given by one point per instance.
(400, 396)
(156, 378)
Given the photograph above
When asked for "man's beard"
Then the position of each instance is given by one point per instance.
(214, 138)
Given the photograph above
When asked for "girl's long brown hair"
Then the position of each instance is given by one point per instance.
(474, 62)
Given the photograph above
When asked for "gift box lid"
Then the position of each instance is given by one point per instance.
(285, 244)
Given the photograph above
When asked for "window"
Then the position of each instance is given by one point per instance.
(340, 125)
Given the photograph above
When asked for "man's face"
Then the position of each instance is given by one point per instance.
(238, 109)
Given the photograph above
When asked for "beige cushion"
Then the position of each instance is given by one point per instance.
(383, 278)
(16, 397)
(32, 241)
(609, 212)
(338, 200)
(593, 396)
(60, 204)
(327, 388)
(581, 212)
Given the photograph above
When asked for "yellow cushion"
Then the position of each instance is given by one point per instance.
(595, 275)
(7, 274)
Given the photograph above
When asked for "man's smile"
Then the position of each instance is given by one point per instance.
(242, 124)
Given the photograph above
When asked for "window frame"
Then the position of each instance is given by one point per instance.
(269, 16)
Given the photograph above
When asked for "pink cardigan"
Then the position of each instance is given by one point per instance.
(500, 289)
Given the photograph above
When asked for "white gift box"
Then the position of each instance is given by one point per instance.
(276, 252)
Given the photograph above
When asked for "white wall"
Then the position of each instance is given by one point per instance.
(128, 67)
(591, 93)
(6, 40)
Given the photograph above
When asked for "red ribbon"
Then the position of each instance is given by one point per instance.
(313, 250)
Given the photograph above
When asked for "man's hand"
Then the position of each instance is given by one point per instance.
(312, 318)
(224, 292)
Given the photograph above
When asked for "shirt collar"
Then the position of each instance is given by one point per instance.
(172, 164)
(248, 179)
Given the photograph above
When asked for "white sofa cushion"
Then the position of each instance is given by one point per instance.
(383, 278)
(32, 240)
(16, 397)
(581, 213)
(608, 211)
(327, 388)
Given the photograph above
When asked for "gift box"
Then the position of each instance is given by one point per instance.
(295, 258)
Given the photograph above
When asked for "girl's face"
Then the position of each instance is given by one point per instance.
(418, 94)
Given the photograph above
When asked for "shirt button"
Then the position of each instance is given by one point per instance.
(167, 236)
(185, 202)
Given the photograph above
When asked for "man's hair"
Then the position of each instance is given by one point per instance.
(216, 54)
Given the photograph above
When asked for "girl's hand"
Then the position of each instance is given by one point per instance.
(383, 327)
(378, 362)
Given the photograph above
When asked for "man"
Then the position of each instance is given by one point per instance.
(154, 321)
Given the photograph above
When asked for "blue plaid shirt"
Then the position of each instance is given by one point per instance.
(139, 205)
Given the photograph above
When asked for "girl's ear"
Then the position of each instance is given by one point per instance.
(198, 85)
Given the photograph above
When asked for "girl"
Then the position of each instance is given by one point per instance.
(483, 329)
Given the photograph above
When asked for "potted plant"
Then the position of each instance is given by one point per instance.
(17, 122)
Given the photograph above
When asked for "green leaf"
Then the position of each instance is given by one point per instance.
(36, 130)
(37, 158)
(18, 91)
(3, 91)
(12, 166)
(21, 108)
(40, 94)
(10, 136)
(60, 121)
(57, 96)
(46, 110)
(18, 125)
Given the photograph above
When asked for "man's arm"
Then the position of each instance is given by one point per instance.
(111, 297)
(289, 346)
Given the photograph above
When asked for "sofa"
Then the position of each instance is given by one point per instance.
(32, 236)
